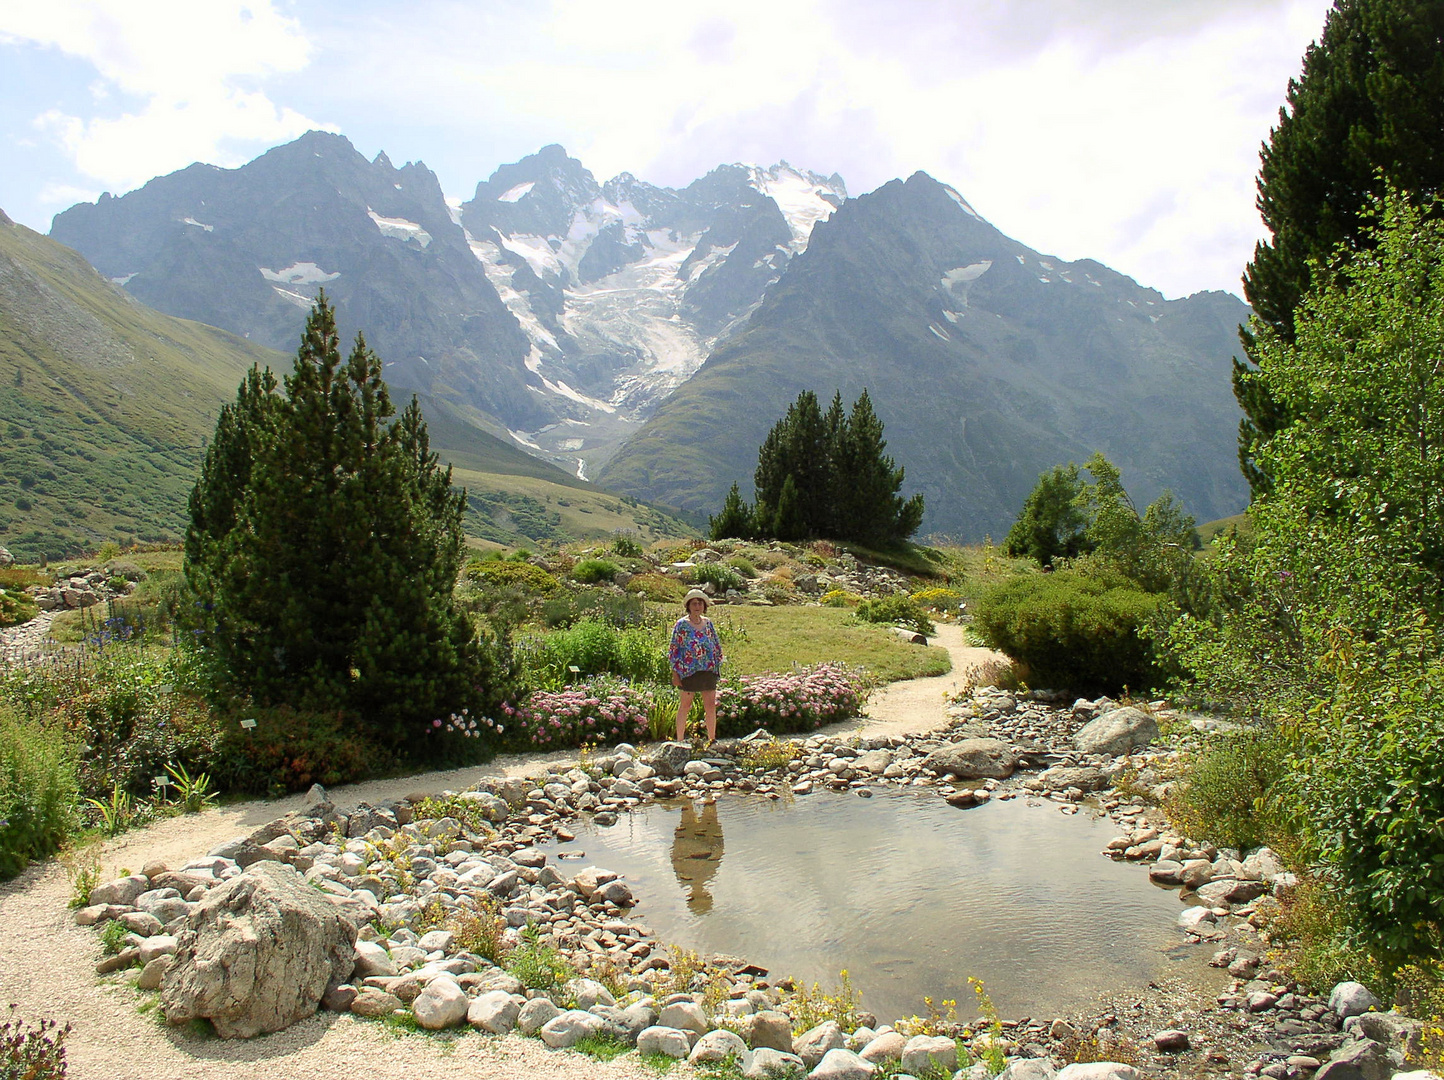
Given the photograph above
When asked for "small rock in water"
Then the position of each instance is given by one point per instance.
(1171, 1040)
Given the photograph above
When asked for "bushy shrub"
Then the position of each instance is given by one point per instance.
(602, 605)
(39, 790)
(627, 548)
(898, 611)
(719, 576)
(290, 749)
(1072, 631)
(592, 647)
(799, 700)
(940, 600)
(601, 710)
(659, 588)
(840, 598)
(591, 571)
(508, 572)
(1228, 795)
(743, 566)
(32, 1053)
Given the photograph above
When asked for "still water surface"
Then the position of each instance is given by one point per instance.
(909, 894)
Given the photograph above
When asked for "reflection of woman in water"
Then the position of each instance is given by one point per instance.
(697, 853)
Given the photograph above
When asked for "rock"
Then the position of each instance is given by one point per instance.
(668, 758)
(1402, 1033)
(536, 1014)
(765, 1063)
(1196, 920)
(1098, 1070)
(668, 1041)
(588, 992)
(1195, 872)
(1171, 1040)
(626, 1024)
(119, 962)
(842, 1064)
(1363, 1060)
(686, 1015)
(813, 1044)
(929, 1053)
(371, 960)
(717, 1045)
(1264, 864)
(157, 945)
(1351, 999)
(1165, 872)
(974, 759)
(768, 1028)
(592, 878)
(374, 1003)
(1261, 1001)
(154, 972)
(1028, 1069)
(124, 891)
(570, 1028)
(885, 1047)
(616, 892)
(140, 923)
(258, 953)
(441, 1005)
(339, 998)
(1082, 777)
(495, 1011)
(1116, 733)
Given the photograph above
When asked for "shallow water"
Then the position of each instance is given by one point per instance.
(908, 893)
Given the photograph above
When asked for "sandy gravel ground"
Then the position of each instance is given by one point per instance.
(47, 963)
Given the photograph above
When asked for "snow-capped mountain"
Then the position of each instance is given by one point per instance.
(624, 288)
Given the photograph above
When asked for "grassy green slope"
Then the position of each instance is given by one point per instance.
(105, 406)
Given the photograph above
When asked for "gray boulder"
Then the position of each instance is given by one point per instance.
(685, 1015)
(1402, 1033)
(769, 1028)
(765, 1063)
(668, 758)
(974, 759)
(929, 1053)
(1363, 1060)
(494, 1011)
(257, 954)
(536, 1014)
(717, 1045)
(1351, 999)
(1063, 777)
(813, 1044)
(1116, 733)
(1028, 1069)
(668, 1041)
(570, 1028)
(1098, 1070)
(441, 1005)
(885, 1047)
(841, 1064)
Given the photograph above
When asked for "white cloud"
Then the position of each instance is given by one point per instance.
(179, 81)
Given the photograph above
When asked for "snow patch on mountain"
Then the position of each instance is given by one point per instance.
(294, 298)
(952, 194)
(803, 197)
(516, 194)
(298, 273)
(200, 225)
(399, 228)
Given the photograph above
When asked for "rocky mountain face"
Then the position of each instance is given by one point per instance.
(987, 362)
(548, 305)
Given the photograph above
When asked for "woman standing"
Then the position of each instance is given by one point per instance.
(696, 658)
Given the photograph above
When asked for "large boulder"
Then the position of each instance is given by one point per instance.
(668, 758)
(1116, 733)
(257, 954)
(974, 759)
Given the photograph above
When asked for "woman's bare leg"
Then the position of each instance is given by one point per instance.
(684, 706)
(709, 706)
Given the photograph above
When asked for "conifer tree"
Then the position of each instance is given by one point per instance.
(327, 583)
(734, 520)
(1366, 113)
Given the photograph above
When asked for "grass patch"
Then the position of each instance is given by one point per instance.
(601, 1047)
(658, 1063)
(776, 638)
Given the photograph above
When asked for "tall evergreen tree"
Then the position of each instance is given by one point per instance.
(327, 579)
(796, 447)
(734, 520)
(1366, 113)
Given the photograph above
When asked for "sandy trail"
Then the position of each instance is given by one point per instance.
(47, 963)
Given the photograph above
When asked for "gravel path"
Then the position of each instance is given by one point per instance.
(47, 963)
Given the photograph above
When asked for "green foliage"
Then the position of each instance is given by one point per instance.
(324, 545)
(734, 519)
(592, 571)
(743, 566)
(112, 937)
(16, 608)
(627, 548)
(510, 572)
(538, 966)
(1230, 792)
(1051, 524)
(593, 647)
(898, 611)
(32, 1053)
(940, 601)
(720, 576)
(116, 813)
(825, 476)
(1072, 630)
(290, 749)
(482, 932)
(39, 791)
(1154, 550)
(603, 1047)
(601, 605)
(810, 1006)
(1364, 115)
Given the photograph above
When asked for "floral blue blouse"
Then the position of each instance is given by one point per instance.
(694, 648)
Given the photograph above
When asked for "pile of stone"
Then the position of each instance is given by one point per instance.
(86, 587)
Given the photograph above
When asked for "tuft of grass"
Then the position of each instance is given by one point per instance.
(603, 1047)
(772, 754)
(658, 1063)
(537, 965)
(112, 937)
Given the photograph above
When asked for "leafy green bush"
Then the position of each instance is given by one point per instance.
(743, 566)
(39, 791)
(1072, 631)
(593, 647)
(290, 749)
(660, 588)
(1229, 795)
(898, 611)
(592, 571)
(602, 605)
(942, 601)
(16, 607)
(524, 574)
(627, 548)
(719, 576)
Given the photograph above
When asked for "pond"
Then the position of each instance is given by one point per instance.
(908, 893)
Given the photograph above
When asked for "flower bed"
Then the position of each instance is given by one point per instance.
(601, 710)
(799, 700)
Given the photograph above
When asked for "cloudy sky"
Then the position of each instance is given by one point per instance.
(1122, 130)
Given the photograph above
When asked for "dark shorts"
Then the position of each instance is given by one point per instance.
(700, 680)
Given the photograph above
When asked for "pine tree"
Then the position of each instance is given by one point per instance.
(328, 581)
(1366, 112)
(796, 448)
(870, 509)
(788, 523)
(734, 520)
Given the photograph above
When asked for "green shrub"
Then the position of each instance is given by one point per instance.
(39, 791)
(1228, 794)
(593, 647)
(719, 576)
(659, 588)
(592, 571)
(1072, 631)
(939, 600)
(524, 574)
(627, 548)
(16, 608)
(602, 605)
(743, 566)
(898, 611)
(290, 749)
